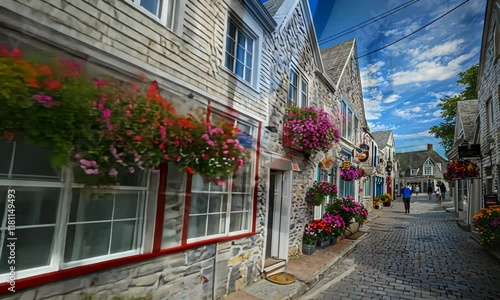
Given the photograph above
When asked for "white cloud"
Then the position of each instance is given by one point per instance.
(372, 76)
(440, 95)
(423, 121)
(432, 70)
(412, 135)
(446, 48)
(416, 109)
(392, 98)
(380, 127)
(437, 113)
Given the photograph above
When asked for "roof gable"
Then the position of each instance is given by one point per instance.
(282, 11)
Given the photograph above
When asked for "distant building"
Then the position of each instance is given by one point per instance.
(422, 168)
(386, 145)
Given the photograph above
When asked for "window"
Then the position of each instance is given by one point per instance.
(343, 110)
(489, 115)
(367, 187)
(162, 9)
(413, 172)
(297, 90)
(356, 128)
(96, 224)
(427, 170)
(349, 125)
(239, 50)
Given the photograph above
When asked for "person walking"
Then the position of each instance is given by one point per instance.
(406, 198)
(417, 190)
(429, 191)
(442, 188)
(437, 190)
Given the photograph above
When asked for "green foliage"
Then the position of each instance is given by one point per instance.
(448, 105)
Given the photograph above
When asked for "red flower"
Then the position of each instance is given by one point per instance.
(190, 170)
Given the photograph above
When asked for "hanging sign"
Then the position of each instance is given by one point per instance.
(363, 152)
(327, 163)
(346, 165)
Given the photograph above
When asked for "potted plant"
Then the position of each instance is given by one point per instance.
(336, 224)
(487, 223)
(323, 231)
(309, 240)
(317, 193)
(385, 198)
(349, 174)
(309, 129)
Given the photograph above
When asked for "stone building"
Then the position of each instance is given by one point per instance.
(488, 87)
(466, 193)
(236, 60)
(421, 168)
(388, 167)
(341, 66)
(296, 73)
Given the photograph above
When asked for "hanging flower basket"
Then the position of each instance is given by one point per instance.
(309, 129)
(461, 169)
(326, 163)
(317, 193)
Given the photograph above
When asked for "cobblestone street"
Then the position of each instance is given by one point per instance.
(423, 255)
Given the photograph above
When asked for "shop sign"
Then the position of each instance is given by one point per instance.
(490, 199)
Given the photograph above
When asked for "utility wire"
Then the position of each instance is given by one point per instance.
(398, 40)
(364, 23)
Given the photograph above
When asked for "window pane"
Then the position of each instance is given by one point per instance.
(241, 40)
(173, 220)
(229, 62)
(138, 178)
(5, 157)
(151, 6)
(239, 221)
(36, 205)
(33, 248)
(88, 205)
(218, 203)
(197, 226)
(86, 241)
(126, 205)
(199, 183)
(230, 44)
(199, 204)
(239, 69)
(240, 202)
(170, 13)
(215, 224)
(231, 31)
(248, 60)
(123, 236)
(25, 164)
(248, 74)
(242, 182)
(240, 53)
(175, 178)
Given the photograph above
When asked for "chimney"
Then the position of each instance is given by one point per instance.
(429, 147)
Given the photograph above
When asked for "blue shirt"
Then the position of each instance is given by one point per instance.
(406, 192)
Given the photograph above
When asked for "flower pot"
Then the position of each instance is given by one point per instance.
(308, 249)
(323, 242)
(333, 240)
(376, 206)
(386, 203)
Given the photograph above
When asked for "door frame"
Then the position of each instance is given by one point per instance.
(285, 166)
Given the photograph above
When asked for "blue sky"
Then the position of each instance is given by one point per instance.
(403, 83)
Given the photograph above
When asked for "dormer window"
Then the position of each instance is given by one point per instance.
(413, 172)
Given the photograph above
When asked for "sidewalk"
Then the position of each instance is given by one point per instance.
(307, 269)
(448, 205)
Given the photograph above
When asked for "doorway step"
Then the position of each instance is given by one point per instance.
(274, 266)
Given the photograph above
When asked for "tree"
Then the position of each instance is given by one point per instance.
(445, 130)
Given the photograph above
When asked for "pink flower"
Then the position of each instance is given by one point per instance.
(113, 172)
(106, 113)
(91, 171)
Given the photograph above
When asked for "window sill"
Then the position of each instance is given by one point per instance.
(241, 80)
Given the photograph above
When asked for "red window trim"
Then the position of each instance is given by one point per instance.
(46, 278)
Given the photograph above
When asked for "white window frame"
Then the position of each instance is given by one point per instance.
(241, 29)
(413, 172)
(428, 170)
(163, 11)
(229, 192)
(489, 115)
(65, 184)
(302, 93)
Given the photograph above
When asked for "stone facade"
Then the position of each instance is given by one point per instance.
(293, 47)
(488, 97)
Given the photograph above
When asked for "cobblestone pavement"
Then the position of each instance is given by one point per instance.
(422, 255)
